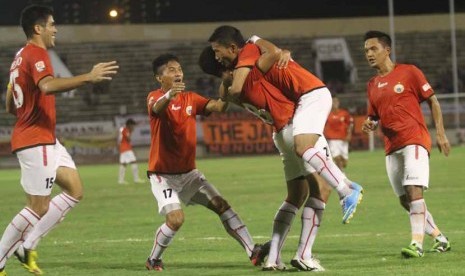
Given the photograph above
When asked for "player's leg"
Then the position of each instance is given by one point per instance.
(135, 173)
(335, 147)
(169, 205)
(312, 215)
(317, 105)
(122, 174)
(297, 192)
(38, 173)
(130, 158)
(207, 195)
(441, 242)
(123, 162)
(68, 179)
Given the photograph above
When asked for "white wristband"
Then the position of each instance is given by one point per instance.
(254, 39)
(168, 95)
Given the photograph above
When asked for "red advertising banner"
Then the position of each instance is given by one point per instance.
(237, 135)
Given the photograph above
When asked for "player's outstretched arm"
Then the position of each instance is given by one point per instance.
(216, 106)
(162, 103)
(239, 76)
(441, 138)
(271, 54)
(100, 72)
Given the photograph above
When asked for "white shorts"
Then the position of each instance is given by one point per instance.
(339, 148)
(408, 166)
(39, 167)
(127, 157)
(312, 112)
(295, 166)
(176, 188)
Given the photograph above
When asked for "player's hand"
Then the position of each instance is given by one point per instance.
(284, 59)
(103, 71)
(369, 125)
(177, 88)
(443, 144)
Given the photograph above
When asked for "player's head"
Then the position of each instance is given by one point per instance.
(37, 21)
(377, 48)
(226, 41)
(208, 63)
(336, 102)
(166, 69)
(130, 123)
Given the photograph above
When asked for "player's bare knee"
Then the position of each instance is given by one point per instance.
(219, 205)
(175, 219)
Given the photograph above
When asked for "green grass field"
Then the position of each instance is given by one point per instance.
(111, 230)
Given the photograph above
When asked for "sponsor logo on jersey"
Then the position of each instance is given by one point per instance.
(426, 87)
(173, 107)
(40, 66)
(398, 88)
(382, 84)
(189, 110)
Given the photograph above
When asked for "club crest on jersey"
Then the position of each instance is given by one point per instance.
(398, 88)
(40, 66)
(189, 110)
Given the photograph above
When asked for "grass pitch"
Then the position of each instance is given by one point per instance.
(111, 230)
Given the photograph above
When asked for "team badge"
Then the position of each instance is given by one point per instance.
(40, 66)
(398, 88)
(426, 87)
(189, 110)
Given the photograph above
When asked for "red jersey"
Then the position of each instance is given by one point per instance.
(268, 103)
(35, 111)
(293, 81)
(124, 139)
(338, 124)
(395, 100)
(173, 132)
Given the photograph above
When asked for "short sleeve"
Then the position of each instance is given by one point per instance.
(248, 56)
(200, 103)
(421, 85)
(40, 65)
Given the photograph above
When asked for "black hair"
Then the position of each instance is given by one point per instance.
(384, 38)
(225, 35)
(33, 15)
(162, 60)
(131, 122)
(209, 64)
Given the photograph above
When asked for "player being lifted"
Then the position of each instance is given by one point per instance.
(312, 99)
(172, 170)
(43, 160)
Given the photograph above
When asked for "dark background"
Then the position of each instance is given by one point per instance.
(152, 11)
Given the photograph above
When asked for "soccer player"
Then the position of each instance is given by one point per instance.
(268, 103)
(43, 160)
(126, 154)
(338, 131)
(394, 97)
(312, 99)
(172, 171)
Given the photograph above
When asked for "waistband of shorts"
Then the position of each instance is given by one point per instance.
(314, 89)
(149, 173)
